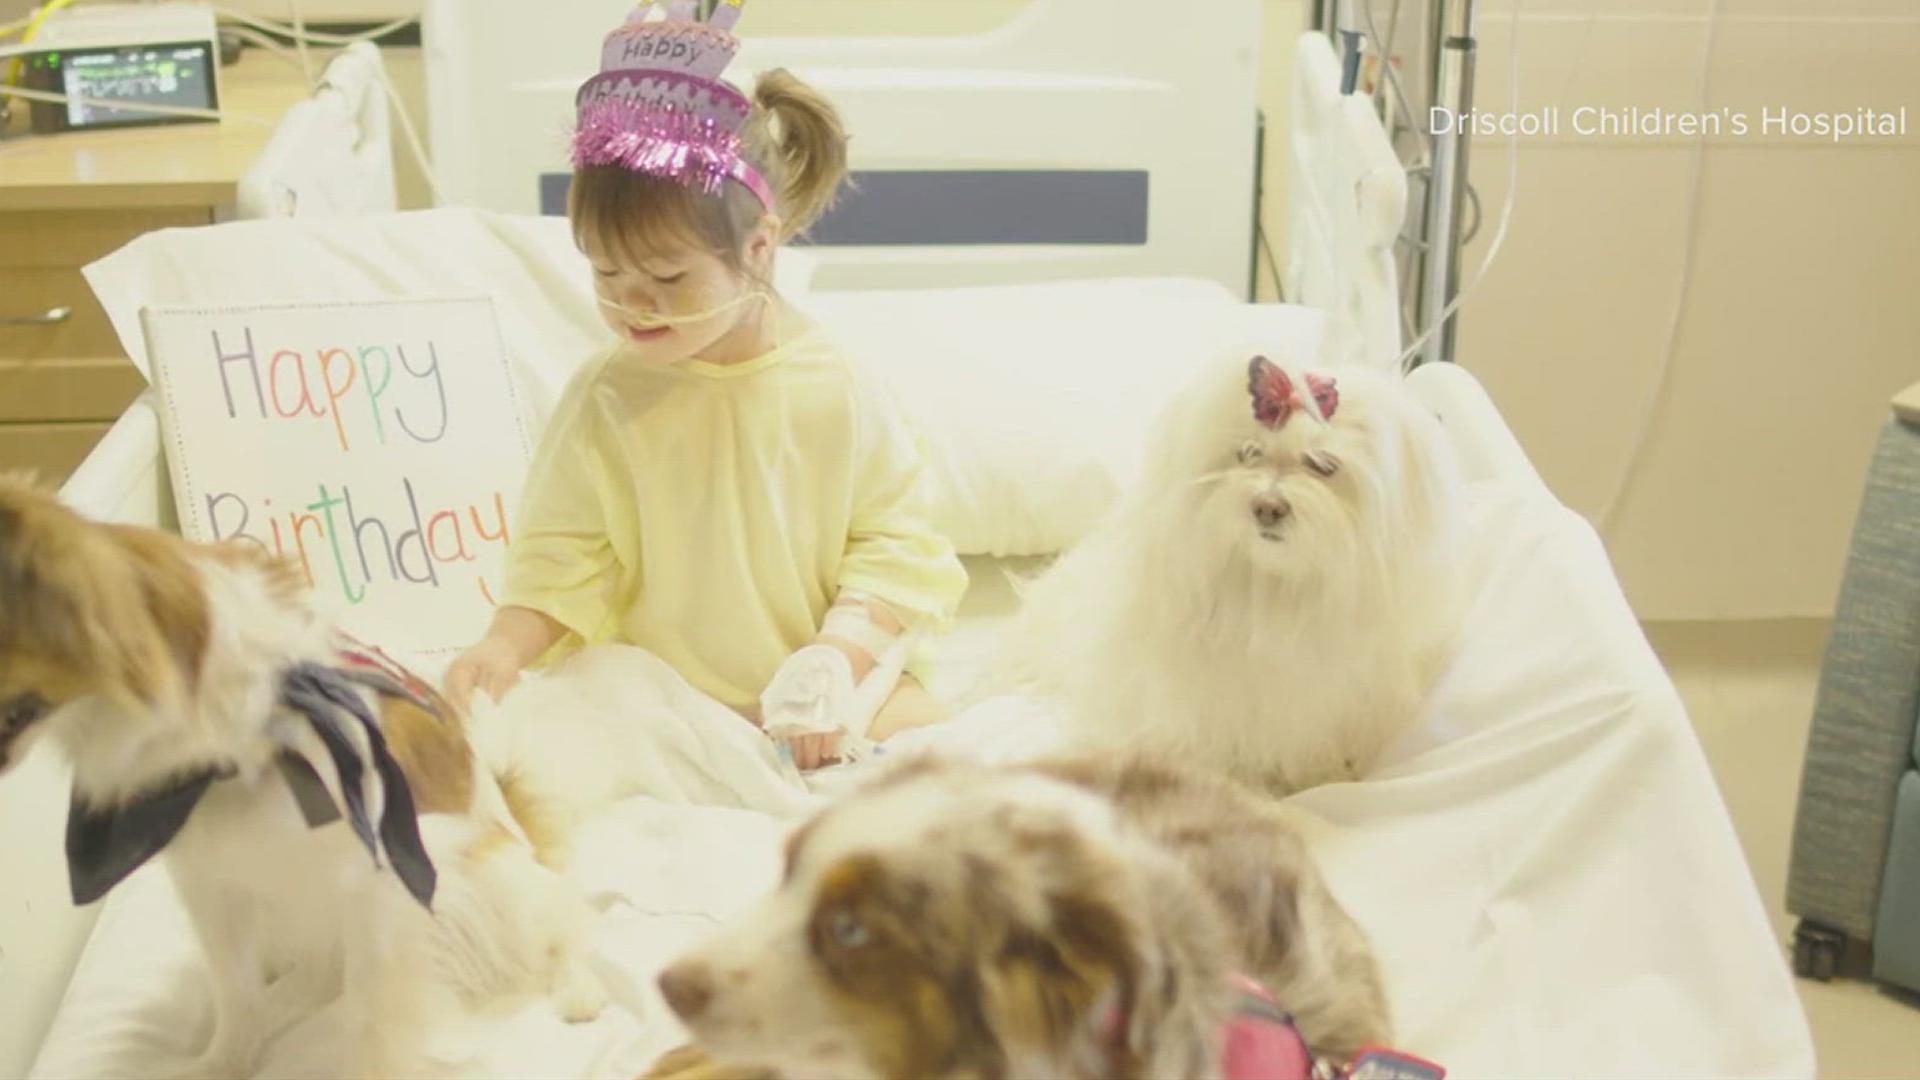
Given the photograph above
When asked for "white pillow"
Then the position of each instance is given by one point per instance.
(1033, 400)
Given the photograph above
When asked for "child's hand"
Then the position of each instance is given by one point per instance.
(811, 751)
(491, 665)
(802, 706)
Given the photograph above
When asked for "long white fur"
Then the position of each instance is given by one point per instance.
(1179, 629)
(291, 918)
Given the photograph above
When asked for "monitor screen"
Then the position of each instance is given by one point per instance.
(179, 75)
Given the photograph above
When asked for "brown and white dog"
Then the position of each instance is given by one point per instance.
(1079, 918)
(174, 677)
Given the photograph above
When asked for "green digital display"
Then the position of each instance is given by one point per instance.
(108, 87)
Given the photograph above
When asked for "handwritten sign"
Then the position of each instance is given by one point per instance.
(379, 446)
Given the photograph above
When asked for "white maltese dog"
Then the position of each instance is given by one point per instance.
(1277, 593)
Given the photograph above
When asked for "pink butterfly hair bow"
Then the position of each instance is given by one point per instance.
(1275, 398)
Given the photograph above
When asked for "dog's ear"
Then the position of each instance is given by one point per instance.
(38, 615)
(164, 640)
(1121, 955)
(1070, 990)
(118, 610)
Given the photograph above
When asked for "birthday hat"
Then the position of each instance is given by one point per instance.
(658, 105)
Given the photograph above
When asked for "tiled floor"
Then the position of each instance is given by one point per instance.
(1749, 688)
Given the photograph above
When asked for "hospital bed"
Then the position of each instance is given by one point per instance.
(1544, 864)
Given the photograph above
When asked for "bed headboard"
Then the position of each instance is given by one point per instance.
(1084, 138)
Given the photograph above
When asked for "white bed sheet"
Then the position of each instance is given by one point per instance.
(1545, 866)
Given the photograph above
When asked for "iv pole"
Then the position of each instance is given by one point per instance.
(1452, 52)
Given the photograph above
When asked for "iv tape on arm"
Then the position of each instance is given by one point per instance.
(874, 690)
(814, 691)
(853, 618)
(850, 620)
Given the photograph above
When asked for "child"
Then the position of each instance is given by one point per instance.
(722, 488)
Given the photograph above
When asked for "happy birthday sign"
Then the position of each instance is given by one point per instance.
(377, 445)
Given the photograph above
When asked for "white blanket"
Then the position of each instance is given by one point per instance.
(1546, 869)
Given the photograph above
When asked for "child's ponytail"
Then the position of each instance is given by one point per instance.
(794, 138)
(801, 147)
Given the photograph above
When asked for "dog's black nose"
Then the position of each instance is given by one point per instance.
(1270, 510)
(688, 988)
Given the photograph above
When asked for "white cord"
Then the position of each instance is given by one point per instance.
(1506, 208)
(314, 36)
(1663, 382)
(121, 105)
(415, 145)
(1393, 79)
(267, 42)
(300, 42)
(418, 148)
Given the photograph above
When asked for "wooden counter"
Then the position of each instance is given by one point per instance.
(68, 199)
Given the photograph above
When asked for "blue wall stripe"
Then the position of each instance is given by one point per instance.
(969, 206)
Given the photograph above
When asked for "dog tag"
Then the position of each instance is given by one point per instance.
(1376, 1063)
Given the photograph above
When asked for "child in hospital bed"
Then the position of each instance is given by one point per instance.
(722, 488)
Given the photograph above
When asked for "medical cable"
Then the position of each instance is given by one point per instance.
(121, 105)
(29, 28)
(316, 37)
(654, 322)
(415, 145)
(1663, 383)
(300, 43)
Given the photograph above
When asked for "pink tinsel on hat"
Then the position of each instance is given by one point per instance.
(658, 105)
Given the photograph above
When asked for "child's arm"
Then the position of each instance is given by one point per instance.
(864, 631)
(561, 567)
(517, 637)
(894, 555)
(897, 575)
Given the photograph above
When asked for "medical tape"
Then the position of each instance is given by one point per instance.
(853, 624)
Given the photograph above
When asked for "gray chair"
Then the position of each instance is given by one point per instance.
(1855, 875)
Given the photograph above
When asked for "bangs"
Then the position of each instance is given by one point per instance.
(630, 217)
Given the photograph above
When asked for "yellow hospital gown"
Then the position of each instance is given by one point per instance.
(710, 514)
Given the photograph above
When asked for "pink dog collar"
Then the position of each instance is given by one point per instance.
(1261, 1042)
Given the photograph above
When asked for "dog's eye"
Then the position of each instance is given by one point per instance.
(1322, 462)
(847, 930)
(22, 710)
(1250, 452)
